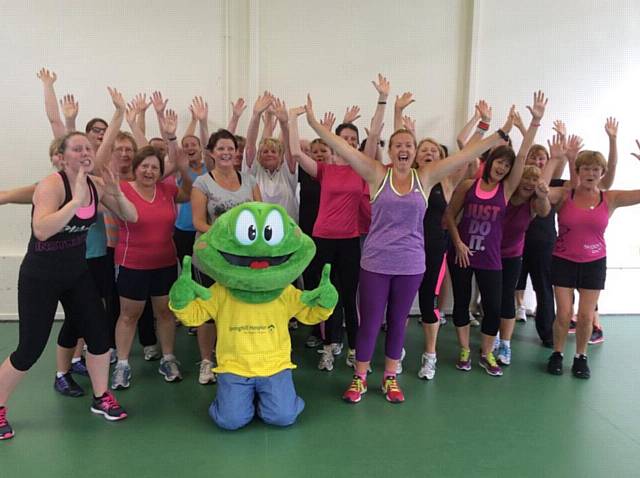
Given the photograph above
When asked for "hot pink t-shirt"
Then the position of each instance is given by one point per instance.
(341, 190)
(148, 243)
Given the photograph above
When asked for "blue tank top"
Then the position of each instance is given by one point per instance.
(184, 221)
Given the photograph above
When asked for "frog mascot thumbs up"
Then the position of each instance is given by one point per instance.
(253, 251)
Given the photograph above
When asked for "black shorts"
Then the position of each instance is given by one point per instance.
(201, 278)
(102, 273)
(137, 284)
(578, 275)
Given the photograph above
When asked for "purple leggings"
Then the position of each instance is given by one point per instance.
(375, 291)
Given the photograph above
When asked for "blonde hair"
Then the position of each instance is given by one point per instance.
(433, 142)
(274, 143)
(532, 172)
(536, 148)
(54, 147)
(322, 142)
(402, 131)
(591, 158)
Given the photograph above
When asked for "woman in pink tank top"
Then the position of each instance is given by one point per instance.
(579, 256)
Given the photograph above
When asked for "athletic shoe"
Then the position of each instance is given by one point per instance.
(108, 407)
(427, 367)
(351, 358)
(554, 366)
(443, 320)
(313, 342)
(597, 336)
(473, 322)
(399, 365)
(580, 368)
(489, 364)
(464, 360)
(67, 386)
(169, 368)
(293, 324)
(521, 314)
(206, 375)
(6, 431)
(356, 390)
(496, 343)
(121, 377)
(192, 331)
(326, 361)
(391, 390)
(151, 353)
(504, 354)
(572, 326)
(80, 367)
(336, 349)
(114, 356)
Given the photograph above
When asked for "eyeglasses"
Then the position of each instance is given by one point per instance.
(96, 130)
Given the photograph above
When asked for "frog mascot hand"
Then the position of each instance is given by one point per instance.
(253, 251)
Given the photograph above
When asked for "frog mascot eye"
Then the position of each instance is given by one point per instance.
(246, 228)
(273, 232)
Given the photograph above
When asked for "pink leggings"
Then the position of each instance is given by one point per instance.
(375, 291)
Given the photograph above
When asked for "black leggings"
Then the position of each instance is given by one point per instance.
(37, 302)
(510, 272)
(536, 260)
(427, 296)
(490, 286)
(344, 257)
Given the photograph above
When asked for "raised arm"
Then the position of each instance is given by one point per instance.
(70, 108)
(269, 122)
(48, 78)
(177, 157)
(280, 111)
(237, 109)
(370, 170)
(306, 163)
(541, 204)
(168, 127)
(261, 104)
(401, 103)
(132, 113)
(434, 172)
(104, 151)
(191, 127)
(557, 158)
(351, 114)
(21, 195)
(200, 109)
(611, 128)
(537, 112)
(574, 145)
(159, 105)
(464, 134)
(373, 138)
(141, 104)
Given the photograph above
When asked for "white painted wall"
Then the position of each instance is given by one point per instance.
(583, 54)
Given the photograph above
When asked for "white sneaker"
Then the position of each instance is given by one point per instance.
(170, 370)
(399, 366)
(206, 375)
(326, 361)
(351, 358)
(427, 367)
(521, 314)
(336, 349)
(473, 322)
(151, 352)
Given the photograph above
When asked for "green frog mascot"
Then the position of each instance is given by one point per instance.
(254, 252)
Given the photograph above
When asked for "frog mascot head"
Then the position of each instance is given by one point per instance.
(255, 250)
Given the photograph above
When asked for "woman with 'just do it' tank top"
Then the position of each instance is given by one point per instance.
(476, 239)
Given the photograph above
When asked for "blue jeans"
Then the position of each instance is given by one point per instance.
(237, 397)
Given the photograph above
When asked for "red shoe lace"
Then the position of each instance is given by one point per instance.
(109, 401)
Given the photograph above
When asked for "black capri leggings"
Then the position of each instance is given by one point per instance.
(490, 286)
(511, 267)
(431, 282)
(37, 302)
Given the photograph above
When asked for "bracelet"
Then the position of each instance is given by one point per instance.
(483, 125)
(503, 135)
(173, 138)
(535, 125)
(382, 102)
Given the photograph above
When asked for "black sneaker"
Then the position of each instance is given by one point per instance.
(6, 431)
(554, 366)
(67, 386)
(580, 367)
(572, 326)
(80, 367)
(108, 407)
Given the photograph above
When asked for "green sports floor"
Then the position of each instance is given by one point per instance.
(524, 424)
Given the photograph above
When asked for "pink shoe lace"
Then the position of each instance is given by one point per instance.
(3, 417)
(109, 401)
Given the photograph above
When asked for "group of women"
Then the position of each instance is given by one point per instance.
(381, 226)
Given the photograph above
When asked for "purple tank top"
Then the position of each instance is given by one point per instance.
(514, 227)
(481, 227)
(395, 244)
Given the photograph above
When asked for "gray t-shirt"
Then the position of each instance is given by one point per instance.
(220, 200)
